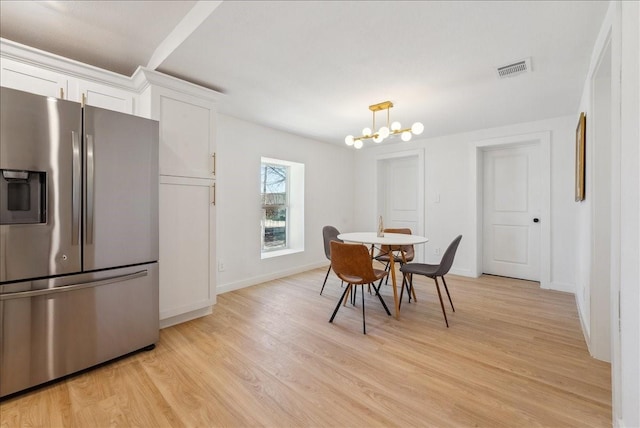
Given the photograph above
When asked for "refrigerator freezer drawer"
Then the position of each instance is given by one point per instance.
(49, 333)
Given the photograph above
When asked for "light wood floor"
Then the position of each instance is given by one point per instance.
(514, 356)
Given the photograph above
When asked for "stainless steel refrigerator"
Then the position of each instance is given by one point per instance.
(78, 237)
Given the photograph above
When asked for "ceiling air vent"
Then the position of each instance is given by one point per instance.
(514, 69)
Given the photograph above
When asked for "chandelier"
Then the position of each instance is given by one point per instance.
(385, 131)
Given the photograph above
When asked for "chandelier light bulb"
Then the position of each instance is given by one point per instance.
(417, 128)
(385, 131)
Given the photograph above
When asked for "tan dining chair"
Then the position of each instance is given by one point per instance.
(352, 264)
(385, 252)
(329, 233)
(433, 271)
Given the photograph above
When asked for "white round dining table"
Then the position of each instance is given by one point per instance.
(391, 239)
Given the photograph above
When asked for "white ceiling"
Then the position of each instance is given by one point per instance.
(313, 67)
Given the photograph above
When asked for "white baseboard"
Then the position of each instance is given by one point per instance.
(561, 286)
(584, 324)
(188, 316)
(224, 288)
(462, 272)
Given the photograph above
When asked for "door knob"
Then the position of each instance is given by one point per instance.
(536, 220)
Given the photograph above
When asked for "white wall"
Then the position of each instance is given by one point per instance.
(594, 225)
(629, 247)
(620, 26)
(328, 200)
(627, 255)
(449, 173)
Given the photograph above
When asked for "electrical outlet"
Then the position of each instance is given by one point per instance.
(437, 251)
(220, 266)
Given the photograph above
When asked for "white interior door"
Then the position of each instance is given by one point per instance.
(400, 190)
(511, 234)
(401, 202)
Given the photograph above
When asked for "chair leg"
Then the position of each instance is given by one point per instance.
(409, 285)
(413, 290)
(386, 269)
(325, 280)
(381, 299)
(348, 294)
(448, 295)
(344, 295)
(364, 324)
(441, 304)
(354, 294)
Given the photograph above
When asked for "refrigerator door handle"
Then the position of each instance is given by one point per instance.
(90, 188)
(71, 287)
(76, 188)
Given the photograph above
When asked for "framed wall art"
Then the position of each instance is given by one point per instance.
(581, 131)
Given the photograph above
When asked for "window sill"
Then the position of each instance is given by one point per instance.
(278, 253)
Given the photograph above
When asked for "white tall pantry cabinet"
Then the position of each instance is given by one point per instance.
(187, 116)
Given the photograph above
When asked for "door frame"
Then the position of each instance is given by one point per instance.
(380, 176)
(543, 141)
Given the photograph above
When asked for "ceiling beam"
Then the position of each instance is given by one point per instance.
(191, 21)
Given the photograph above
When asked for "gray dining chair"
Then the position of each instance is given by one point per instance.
(433, 271)
(329, 233)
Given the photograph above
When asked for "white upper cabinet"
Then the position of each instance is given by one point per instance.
(186, 138)
(102, 95)
(187, 116)
(36, 80)
(42, 73)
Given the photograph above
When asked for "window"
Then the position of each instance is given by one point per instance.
(274, 184)
(282, 199)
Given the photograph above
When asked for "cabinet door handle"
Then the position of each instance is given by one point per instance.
(61, 93)
(213, 194)
(214, 164)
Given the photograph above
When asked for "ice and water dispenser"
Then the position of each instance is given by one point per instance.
(22, 197)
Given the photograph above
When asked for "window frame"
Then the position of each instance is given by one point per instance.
(272, 163)
(295, 227)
